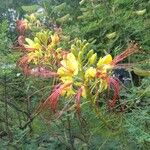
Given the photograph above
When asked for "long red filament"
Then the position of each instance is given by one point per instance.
(114, 83)
(52, 100)
(133, 48)
(78, 99)
(42, 72)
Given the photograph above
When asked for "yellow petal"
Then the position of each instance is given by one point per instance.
(68, 69)
(68, 91)
(104, 61)
(36, 40)
(29, 41)
(69, 65)
(72, 63)
(83, 92)
(37, 46)
(66, 79)
(90, 73)
(61, 71)
(64, 63)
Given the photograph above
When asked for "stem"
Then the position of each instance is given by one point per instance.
(96, 110)
(71, 138)
(28, 109)
(6, 109)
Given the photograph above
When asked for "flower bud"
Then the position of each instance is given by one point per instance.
(90, 53)
(36, 40)
(74, 50)
(93, 59)
(111, 35)
(141, 12)
(84, 48)
(82, 2)
(78, 43)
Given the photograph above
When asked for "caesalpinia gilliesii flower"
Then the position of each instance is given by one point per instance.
(72, 70)
(41, 51)
(67, 72)
(30, 22)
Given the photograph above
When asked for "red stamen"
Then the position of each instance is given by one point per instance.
(21, 40)
(21, 26)
(23, 63)
(78, 98)
(133, 48)
(42, 72)
(101, 75)
(52, 100)
(115, 85)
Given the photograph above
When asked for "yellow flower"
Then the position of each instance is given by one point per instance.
(90, 73)
(69, 68)
(32, 45)
(104, 63)
(35, 56)
(103, 66)
(68, 90)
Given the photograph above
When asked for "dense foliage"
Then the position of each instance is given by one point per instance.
(107, 27)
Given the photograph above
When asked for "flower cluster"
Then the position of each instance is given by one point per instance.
(31, 22)
(40, 48)
(80, 72)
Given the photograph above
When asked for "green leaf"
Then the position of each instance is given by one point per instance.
(31, 8)
(141, 72)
